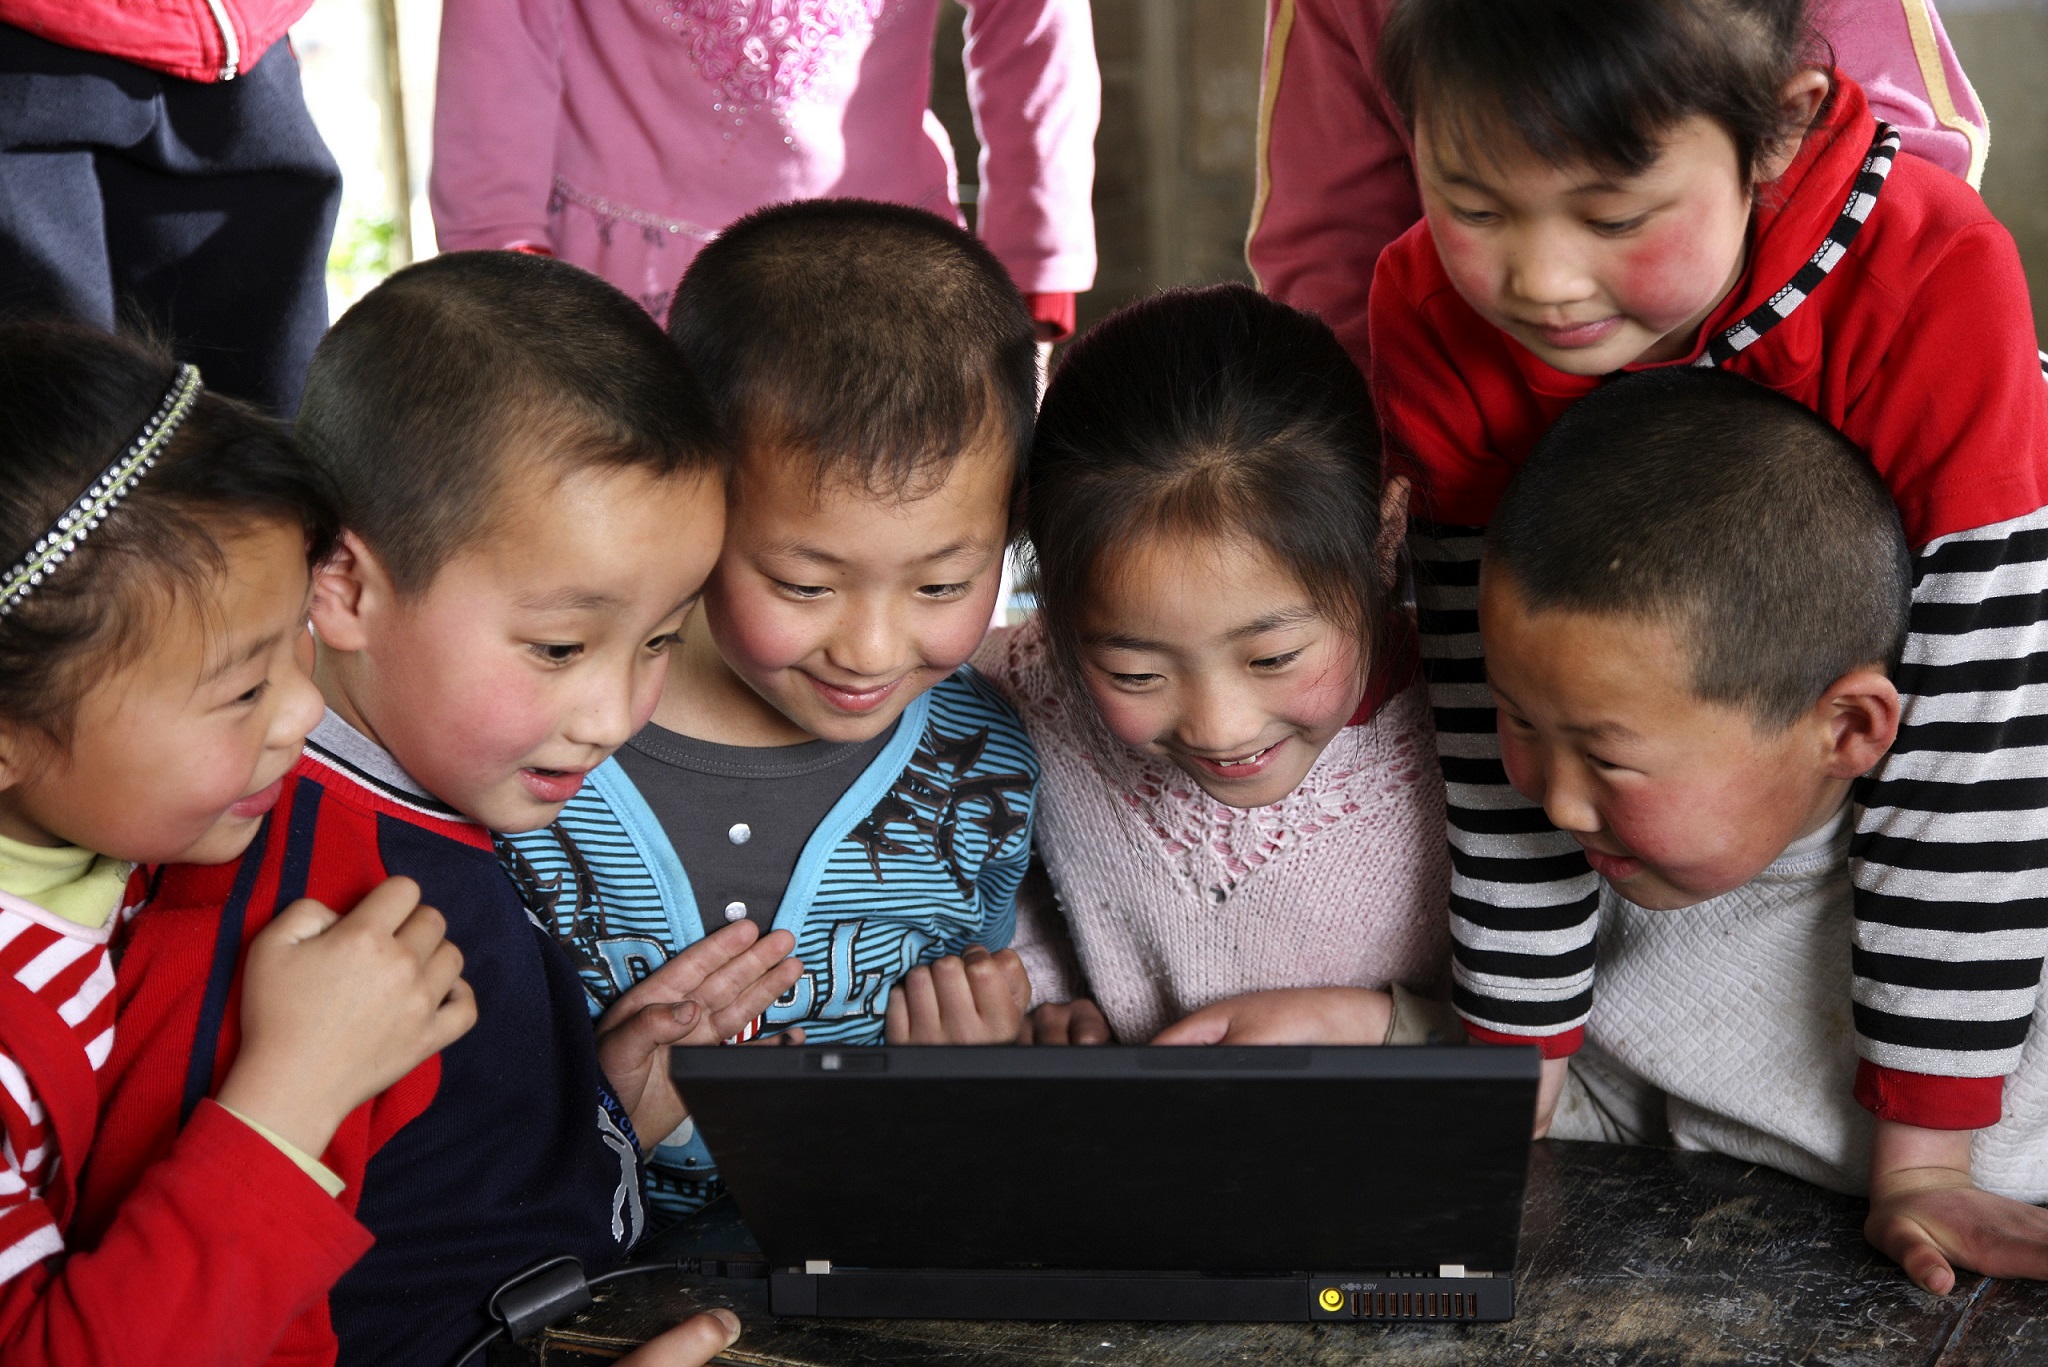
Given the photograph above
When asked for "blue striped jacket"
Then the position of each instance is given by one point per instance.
(921, 858)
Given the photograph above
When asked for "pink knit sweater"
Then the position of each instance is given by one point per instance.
(622, 134)
(1173, 900)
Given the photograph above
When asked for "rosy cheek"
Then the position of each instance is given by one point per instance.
(1674, 270)
(958, 634)
(1132, 720)
(1468, 258)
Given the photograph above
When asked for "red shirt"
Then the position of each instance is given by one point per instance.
(1919, 347)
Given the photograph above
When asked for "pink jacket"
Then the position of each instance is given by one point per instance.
(1336, 183)
(195, 40)
(622, 134)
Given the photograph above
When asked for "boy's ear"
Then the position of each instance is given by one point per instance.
(1393, 524)
(1800, 102)
(1861, 710)
(349, 588)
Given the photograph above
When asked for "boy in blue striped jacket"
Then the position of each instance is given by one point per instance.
(822, 764)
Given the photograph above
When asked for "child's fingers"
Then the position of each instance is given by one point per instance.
(300, 921)
(685, 972)
(754, 998)
(922, 1023)
(442, 970)
(1908, 1244)
(625, 1046)
(1086, 1024)
(959, 992)
(1016, 976)
(896, 1019)
(768, 958)
(692, 1343)
(993, 998)
(454, 1017)
(1996, 1235)
(423, 933)
(384, 908)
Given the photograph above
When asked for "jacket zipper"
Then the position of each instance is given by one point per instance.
(231, 46)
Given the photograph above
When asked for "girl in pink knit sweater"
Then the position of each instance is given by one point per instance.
(622, 135)
(1238, 813)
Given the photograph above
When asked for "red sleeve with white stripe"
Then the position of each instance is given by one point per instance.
(220, 1247)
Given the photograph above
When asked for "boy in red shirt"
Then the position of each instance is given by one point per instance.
(531, 497)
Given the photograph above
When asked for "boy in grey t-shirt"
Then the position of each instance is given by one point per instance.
(1692, 601)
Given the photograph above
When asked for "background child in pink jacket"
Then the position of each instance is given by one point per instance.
(1337, 174)
(622, 134)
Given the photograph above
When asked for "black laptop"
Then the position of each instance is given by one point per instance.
(1200, 1184)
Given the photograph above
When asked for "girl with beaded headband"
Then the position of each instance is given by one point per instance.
(1236, 810)
(154, 693)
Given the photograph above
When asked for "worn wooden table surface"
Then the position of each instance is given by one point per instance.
(1628, 1255)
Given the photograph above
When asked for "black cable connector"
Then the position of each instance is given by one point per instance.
(548, 1293)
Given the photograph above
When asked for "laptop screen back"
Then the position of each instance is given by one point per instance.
(1260, 1160)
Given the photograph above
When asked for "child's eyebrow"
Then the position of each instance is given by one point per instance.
(1272, 621)
(803, 550)
(569, 600)
(262, 645)
(1605, 730)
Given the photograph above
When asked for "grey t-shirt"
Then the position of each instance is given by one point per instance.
(739, 816)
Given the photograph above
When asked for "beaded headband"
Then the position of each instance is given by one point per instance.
(92, 507)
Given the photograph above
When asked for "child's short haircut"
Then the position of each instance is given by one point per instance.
(72, 400)
(874, 341)
(1698, 498)
(1213, 412)
(1598, 82)
(416, 398)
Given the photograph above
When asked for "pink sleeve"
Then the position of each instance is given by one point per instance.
(1899, 53)
(1036, 95)
(1336, 182)
(496, 101)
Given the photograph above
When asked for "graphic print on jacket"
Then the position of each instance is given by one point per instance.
(921, 858)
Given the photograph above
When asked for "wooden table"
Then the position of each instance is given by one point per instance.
(1629, 1255)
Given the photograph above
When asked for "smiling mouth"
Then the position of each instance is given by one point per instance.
(1242, 766)
(553, 785)
(855, 700)
(1571, 336)
(260, 801)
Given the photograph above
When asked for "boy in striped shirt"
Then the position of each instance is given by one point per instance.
(1693, 598)
(821, 763)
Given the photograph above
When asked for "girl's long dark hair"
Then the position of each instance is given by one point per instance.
(1598, 82)
(1214, 412)
(72, 398)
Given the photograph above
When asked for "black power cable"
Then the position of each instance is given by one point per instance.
(548, 1293)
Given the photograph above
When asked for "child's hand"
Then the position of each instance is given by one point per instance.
(971, 998)
(1549, 1088)
(337, 1008)
(704, 995)
(1929, 1217)
(692, 1343)
(1294, 1015)
(1079, 1021)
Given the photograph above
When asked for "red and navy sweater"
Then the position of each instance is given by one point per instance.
(506, 1149)
(1882, 295)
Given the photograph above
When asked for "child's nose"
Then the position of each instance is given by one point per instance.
(1217, 722)
(1544, 269)
(1568, 800)
(605, 719)
(867, 641)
